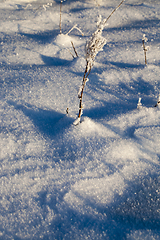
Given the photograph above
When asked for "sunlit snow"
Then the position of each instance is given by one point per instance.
(99, 179)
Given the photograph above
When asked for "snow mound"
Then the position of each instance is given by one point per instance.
(87, 193)
(78, 65)
(89, 127)
(64, 40)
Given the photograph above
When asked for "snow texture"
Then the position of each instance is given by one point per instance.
(99, 179)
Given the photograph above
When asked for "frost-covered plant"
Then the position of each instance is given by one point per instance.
(93, 46)
(45, 6)
(60, 22)
(49, 4)
(145, 48)
(158, 102)
(139, 104)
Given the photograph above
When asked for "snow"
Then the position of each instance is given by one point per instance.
(99, 179)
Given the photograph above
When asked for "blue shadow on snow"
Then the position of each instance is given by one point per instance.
(41, 37)
(53, 61)
(48, 122)
(135, 210)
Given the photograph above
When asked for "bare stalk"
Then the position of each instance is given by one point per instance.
(85, 79)
(60, 22)
(145, 51)
(74, 49)
(114, 11)
(79, 30)
(75, 27)
(93, 46)
(71, 29)
(71, 53)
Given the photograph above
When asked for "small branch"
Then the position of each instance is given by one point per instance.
(74, 49)
(114, 11)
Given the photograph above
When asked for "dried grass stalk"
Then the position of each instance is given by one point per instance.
(60, 21)
(93, 46)
(74, 49)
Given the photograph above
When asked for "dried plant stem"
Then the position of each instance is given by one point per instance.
(74, 49)
(71, 29)
(93, 46)
(79, 30)
(75, 27)
(114, 11)
(145, 51)
(85, 79)
(60, 22)
(71, 53)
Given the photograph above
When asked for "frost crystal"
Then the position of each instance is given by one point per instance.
(139, 105)
(45, 6)
(96, 43)
(144, 38)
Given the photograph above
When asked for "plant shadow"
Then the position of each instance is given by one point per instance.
(109, 109)
(127, 65)
(41, 37)
(136, 24)
(48, 122)
(53, 61)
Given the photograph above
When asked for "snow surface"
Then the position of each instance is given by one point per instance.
(99, 179)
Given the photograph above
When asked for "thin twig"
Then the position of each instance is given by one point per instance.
(75, 27)
(71, 29)
(60, 22)
(71, 53)
(85, 78)
(114, 11)
(145, 51)
(79, 30)
(74, 49)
